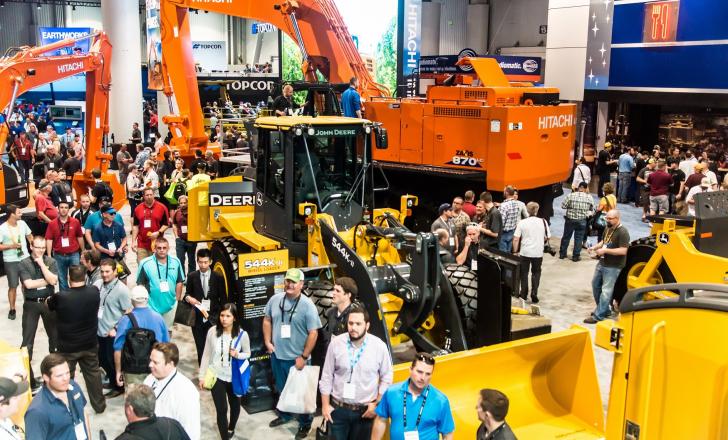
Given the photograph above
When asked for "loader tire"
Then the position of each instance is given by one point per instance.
(465, 286)
(321, 293)
(224, 256)
(639, 253)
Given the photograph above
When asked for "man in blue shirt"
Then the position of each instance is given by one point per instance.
(109, 236)
(414, 406)
(351, 101)
(146, 319)
(57, 411)
(163, 277)
(95, 219)
(626, 165)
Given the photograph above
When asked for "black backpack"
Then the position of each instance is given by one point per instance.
(137, 348)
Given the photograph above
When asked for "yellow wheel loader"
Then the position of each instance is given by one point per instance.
(681, 249)
(669, 377)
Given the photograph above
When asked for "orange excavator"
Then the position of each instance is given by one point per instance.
(316, 25)
(25, 68)
(485, 134)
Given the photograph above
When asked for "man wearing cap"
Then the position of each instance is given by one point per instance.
(579, 205)
(146, 318)
(290, 329)
(10, 391)
(109, 236)
(64, 241)
(163, 277)
(58, 411)
(704, 186)
(95, 219)
(444, 221)
(149, 221)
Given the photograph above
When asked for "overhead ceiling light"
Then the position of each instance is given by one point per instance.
(2, 4)
(37, 5)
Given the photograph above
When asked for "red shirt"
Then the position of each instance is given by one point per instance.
(469, 209)
(45, 205)
(659, 182)
(64, 234)
(22, 148)
(180, 222)
(149, 220)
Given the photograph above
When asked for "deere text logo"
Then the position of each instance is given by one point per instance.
(234, 200)
(70, 67)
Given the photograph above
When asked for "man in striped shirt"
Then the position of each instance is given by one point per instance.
(579, 205)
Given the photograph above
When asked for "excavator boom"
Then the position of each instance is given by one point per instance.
(26, 68)
(316, 25)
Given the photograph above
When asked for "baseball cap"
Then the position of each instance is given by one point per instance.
(9, 388)
(43, 184)
(105, 199)
(108, 210)
(138, 293)
(651, 161)
(699, 166)
(705, 182)
(444, 207)
(583, 185)
(294, 275)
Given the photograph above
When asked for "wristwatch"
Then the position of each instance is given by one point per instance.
(305, 358)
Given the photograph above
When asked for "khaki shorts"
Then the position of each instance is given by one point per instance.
(169, 317)
(142, 254)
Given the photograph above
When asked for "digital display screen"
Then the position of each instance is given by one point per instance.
(661, 21)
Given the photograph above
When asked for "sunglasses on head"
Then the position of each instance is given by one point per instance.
(426, 358)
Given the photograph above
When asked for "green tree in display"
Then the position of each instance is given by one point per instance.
(386, 58)
(291, 60)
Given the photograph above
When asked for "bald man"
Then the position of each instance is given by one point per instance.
(612, 255)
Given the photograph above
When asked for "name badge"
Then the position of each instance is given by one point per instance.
(51, 165)
(473, 264)
(22, 151)
(65, 242)
(205, 304)
(80, 429)
(183, 229)
(83, 230)
(164, 286)
(286, 331)
(69, 199)
(411, 435)
(147, 223)
(452, 241)
(349, 391)
(112, 246)
(101, 312)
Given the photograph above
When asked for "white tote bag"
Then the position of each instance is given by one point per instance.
(299, 393)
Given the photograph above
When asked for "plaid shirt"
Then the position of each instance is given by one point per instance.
(511, 211)
(578, 205)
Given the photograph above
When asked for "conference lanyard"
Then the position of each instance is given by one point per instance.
(159, 272)
(291, 312)
(166, 385)
(354, 359)
(422, 407)
(107, 291)
(230, 347)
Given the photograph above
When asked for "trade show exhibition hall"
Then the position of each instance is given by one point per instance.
(338, 219)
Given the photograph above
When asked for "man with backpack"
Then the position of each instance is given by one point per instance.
(99, 190)
(136, 334)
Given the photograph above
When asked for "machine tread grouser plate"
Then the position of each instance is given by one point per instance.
(465, 284)
(321, 293)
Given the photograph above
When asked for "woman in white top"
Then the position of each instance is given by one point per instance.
(224, 342)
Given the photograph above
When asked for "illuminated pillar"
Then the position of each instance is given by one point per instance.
(120, 20)
(431, 22)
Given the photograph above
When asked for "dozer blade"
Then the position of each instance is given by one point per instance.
(550, 380)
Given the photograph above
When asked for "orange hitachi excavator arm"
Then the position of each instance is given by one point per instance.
(316, 25)
(25, 68)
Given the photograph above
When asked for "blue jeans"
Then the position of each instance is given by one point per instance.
(349, 425)
(186, 252)
(577, 228)
(64, 262)
(602, 289)
(624, 184)
(505, 242)
(280, 369)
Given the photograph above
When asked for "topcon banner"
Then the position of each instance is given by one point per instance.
(48, 35)
(210, 55)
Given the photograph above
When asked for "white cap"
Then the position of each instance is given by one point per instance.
(139, 293)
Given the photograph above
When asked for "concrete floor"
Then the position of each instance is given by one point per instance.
(565, 298)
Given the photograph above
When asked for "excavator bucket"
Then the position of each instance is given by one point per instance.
(550, 380)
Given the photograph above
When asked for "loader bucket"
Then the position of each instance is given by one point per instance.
(550, 380)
